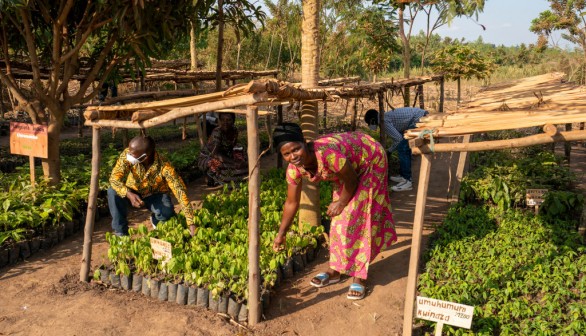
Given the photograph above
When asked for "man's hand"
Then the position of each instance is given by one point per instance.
(192, 230)
(335, 208)
(134, 199)
(279, 243)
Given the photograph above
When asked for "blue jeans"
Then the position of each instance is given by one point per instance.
(160, 205)
(404, 152)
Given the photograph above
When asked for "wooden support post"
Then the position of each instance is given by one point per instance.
(421, 98)
(416, 243)
(269, 125)
(460, 171)
(381, 118)
(441, 97)
(184, 129)
(92, 202)
(279, 122)
(354, 115)
(254, 313)
(199, 130)
(416, 98)
(31, 162)
(325, 114)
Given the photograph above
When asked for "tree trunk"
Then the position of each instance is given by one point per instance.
(310, 210)
(220, 45)
(459, 91)
(52, 165)
(406, 52)
(270, 49)
(193, 47)
(279, 54)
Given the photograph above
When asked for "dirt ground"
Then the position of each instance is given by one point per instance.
(41, 296)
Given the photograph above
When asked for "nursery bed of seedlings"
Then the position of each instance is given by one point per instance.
(210, 269)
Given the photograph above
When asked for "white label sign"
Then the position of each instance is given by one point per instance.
(535, 197)
(456, 314)
(161, 249)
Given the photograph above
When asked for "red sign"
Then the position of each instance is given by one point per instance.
(29, 139)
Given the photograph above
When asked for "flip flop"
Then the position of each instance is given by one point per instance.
(324, 280)
(356, 287)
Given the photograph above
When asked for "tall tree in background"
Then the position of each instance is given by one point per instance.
(64, 40)
(242, 15)
(568, 16)
(408, 10)
(459, 61)
(309, 211)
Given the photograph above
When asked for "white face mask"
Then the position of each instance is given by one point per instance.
(134, 161)
(373, 127)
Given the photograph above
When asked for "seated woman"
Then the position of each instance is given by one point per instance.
(221, 158)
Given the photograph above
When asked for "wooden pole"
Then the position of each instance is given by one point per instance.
(354, 115)
(531, 140)
(423, 182)
(441, 97)
(182, 112)
(279, 122)
(325, 114)
(460, 171)
(421, 99)
(254, 313)
(91, 207)
(381, 118)
(31, 162)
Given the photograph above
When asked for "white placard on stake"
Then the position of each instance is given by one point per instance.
(161, 249)
(534, 197)
(444, 312)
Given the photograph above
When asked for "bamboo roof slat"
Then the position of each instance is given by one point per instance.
(468, 124)
(180, 112)
(530, 140)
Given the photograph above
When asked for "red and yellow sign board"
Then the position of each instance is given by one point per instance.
(29, 139)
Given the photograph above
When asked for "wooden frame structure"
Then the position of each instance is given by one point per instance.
(264, 92)
(422, 142)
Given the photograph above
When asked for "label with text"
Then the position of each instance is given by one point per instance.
(29, 139)
(534, 197)
(455, 314)
(161, 249)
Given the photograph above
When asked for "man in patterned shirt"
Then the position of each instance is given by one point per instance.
(397, 122)
(142, 178)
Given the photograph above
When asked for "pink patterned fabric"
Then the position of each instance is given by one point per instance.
(366, 225)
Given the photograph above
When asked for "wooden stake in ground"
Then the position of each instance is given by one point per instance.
(421, 199)
(254, 313)
(91, 207)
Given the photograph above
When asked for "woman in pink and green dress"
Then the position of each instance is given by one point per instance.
(362, 221)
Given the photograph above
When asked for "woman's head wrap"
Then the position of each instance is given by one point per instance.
(287, 132)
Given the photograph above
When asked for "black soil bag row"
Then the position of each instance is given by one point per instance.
(189, 294)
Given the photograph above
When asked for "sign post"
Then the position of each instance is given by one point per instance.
(534, 197)
(31, 140)
(444, 312)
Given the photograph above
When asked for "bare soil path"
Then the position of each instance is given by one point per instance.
(41, 296)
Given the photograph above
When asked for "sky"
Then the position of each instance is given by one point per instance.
(507, 22)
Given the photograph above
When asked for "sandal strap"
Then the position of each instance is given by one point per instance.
(357, 287)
